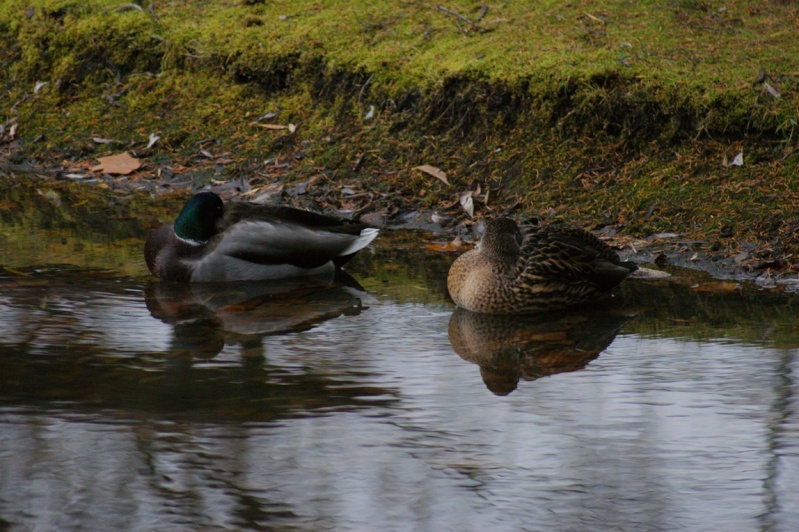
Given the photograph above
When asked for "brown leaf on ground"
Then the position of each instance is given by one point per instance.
(433, 171)
(121, 164)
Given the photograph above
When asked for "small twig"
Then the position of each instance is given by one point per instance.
(358, 163)
(454, 14)
(369, 204)
(22, 100)
(361, 195)
(151, 9)
(592, 17)
(483, 11)
(363, 88)
(129, 7)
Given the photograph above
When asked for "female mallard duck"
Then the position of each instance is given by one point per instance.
(241, 241)
(533, 268)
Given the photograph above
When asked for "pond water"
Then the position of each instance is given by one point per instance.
(370, 403)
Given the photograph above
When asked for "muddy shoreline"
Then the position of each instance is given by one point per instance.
(451, 231)
(658, 252)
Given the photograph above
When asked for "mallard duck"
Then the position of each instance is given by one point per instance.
(533, 268)
(241, 241)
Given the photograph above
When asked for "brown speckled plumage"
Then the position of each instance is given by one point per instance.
(534, 268)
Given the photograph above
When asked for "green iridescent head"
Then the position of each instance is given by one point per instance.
(197, 220)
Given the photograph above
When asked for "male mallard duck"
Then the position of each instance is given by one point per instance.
(242, 241)
(533, 268)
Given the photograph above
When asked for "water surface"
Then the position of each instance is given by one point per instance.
(370, 403)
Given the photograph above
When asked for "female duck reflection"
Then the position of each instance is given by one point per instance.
(207, 316)
(527, 269)
(508, 348)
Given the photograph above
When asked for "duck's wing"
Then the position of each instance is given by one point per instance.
(571, 254)
(241, 211)
(263, 241)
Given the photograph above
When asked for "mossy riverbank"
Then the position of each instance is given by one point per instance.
(622, 115)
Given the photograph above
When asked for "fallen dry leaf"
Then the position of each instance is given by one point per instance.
(467, 202)
(100, 140)
(771, 90)
(7, 136)
(153, 139)
(433, 171)
(267, 116)
(661, 236)
(121, 164)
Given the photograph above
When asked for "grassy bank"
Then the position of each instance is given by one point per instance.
(610, 113)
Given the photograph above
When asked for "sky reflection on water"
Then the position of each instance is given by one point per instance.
(369, 420)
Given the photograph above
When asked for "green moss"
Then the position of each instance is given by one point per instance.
(597, 112)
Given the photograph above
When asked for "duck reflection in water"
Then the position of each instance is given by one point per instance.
(208, 316)
(509, 348)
